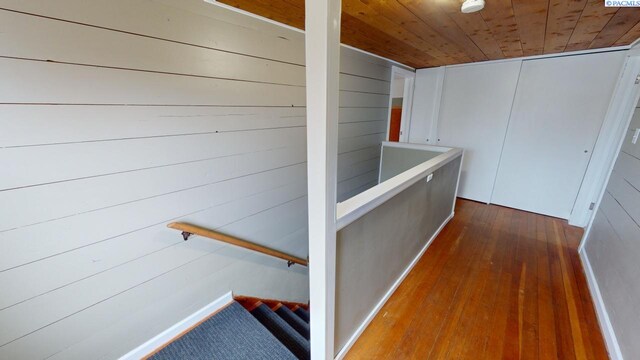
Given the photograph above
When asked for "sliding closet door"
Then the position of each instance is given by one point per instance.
(474, 113)
(557, 113)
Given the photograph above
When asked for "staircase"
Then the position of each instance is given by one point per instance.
(247, 328)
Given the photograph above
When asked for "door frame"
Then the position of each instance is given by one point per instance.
(407, 102)
(612, 135)
(621, 108)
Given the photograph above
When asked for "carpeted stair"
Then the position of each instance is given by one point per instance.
(248, 328)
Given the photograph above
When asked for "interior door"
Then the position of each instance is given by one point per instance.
(394, 126)
(559, 107)
(474, 113)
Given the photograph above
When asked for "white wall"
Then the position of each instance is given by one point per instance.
(362, 121)
(516, 150)
(118, 117)
(426, 105)
(397, 87)
(613, 245)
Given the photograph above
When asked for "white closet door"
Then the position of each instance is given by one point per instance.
(557, 113)
(426, 104)
(474, 113)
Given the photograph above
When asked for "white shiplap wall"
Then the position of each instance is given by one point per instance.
(613, 245)
(118, 117)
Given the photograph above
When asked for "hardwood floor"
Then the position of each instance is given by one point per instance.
(497, 283)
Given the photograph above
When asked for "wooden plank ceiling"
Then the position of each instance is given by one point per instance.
(427, 33)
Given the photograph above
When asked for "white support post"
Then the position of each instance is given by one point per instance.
(322, 39)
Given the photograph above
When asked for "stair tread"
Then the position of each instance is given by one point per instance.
(233, 333)
(304, 314)
(293, 320)
(295, 342)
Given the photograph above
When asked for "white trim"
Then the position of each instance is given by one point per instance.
(407, 101)
(270, 21)
(322, 53)
(614, 126)
(407, 104)
(380, 162)
(455, 197)
(415, 146)
(403, 72)
(401, 65)
(435, 115)
(175, 330)
(352, 340)
(601, 311)
(545, 56)
(354, 208)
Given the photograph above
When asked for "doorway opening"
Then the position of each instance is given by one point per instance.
(400, 102)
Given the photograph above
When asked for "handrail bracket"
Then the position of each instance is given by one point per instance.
(188, 230)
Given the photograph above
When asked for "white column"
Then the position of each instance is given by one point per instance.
(323, 66)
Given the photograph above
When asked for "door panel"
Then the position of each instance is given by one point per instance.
(559, 107)
(474, 113)
(394, 125)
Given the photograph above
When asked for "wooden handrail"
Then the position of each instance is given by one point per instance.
(188, 229)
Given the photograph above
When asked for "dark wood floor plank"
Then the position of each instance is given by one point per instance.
(470, 287)
(497, 283)
(529, 330)
(547, 347)
(564, 340)
(471, 335)
(511, 338)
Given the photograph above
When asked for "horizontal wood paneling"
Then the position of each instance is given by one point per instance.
(132, 51)
(28, 125)
(163, 21)
(90, 159)
(187, 283)
(613, 248)
(139, 113)
(94, 85)
(105, 219)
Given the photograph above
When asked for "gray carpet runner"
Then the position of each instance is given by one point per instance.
(236, 334)
(304, 314)
(295, 321)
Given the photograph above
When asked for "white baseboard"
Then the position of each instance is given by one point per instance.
(352, 340)
(601, 311)
(175, 330)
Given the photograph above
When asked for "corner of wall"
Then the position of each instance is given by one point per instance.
(611, 341)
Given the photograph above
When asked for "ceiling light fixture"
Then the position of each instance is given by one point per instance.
(470, 6)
